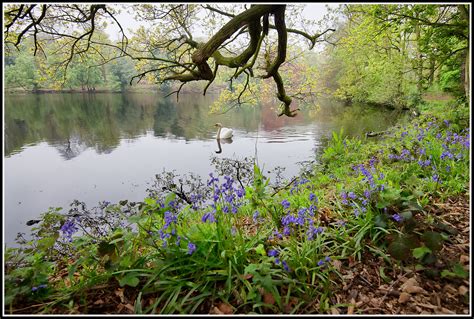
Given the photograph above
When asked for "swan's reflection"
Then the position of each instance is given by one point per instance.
(223, 141)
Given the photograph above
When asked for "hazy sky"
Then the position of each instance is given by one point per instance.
(313, 11)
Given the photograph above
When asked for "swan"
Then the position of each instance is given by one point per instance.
(223, 132)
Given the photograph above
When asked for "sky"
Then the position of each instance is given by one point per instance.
(313, 11)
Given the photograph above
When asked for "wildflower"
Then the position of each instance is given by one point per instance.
(191, 248)
(277, 261)
(178, 240)
(312, 209)
(234, 209)
(352, 195)
(212, 180)
(397, 218)
(436, 178)
(327, 259)
(448, 168)
(344, 198)
(69, 228)
(285, 266)
(341, 223)
(405, 133)
(446, 154)
(321, 262)
(209, 217)
(313, 198)
(273, 253)
(229, 198)
(285, 203)
(255, 216)
(240, 192)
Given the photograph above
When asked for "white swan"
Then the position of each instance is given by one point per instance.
(223, 132)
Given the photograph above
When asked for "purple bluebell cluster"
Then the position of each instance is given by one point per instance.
(68, 229)
(226, 196)
(297, 223)
(397, 218)
(191, 248)
(42, 286)
(298, 185)
(324, 261)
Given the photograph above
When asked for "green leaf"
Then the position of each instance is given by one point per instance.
(420, 252)
(130, 279)
(432, 240)
(406, 214)
(260, 250)
(150, 201)
(400, 248)
(447, 273)
(460, 271)
(383, 276)
(380, 221)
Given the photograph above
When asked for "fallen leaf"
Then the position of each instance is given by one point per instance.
(268, 298)
(98, 302)
(464, 259)
(225, 308)
(462, 290)
(215, 311)
(119, 293)
(350, 309)
(334, 311)
(404, 297)
(337, 264)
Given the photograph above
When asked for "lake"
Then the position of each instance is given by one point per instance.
(109, 146)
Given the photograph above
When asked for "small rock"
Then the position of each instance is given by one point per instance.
(404, 297)
(462, 290)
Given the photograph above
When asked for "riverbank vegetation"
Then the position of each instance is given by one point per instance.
(375, 225)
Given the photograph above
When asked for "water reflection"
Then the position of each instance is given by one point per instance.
(223, 141)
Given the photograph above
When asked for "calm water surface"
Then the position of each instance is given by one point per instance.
(96, 147)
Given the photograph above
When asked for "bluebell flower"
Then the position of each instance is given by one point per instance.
(286, 204)
(208, 217)
(352, 195)
(178, 240)
(285, 266)
(69, 228)
(225, 209)
(397, 218)
(312, 209)
(344, 198)
(327, 259)
(191, 248)
(255, 216)
(273, 253)
(313, 198)
(277, 261)
(234, 209)
(321, 262)
(448, 168)
(436, 178)
(240, 192)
